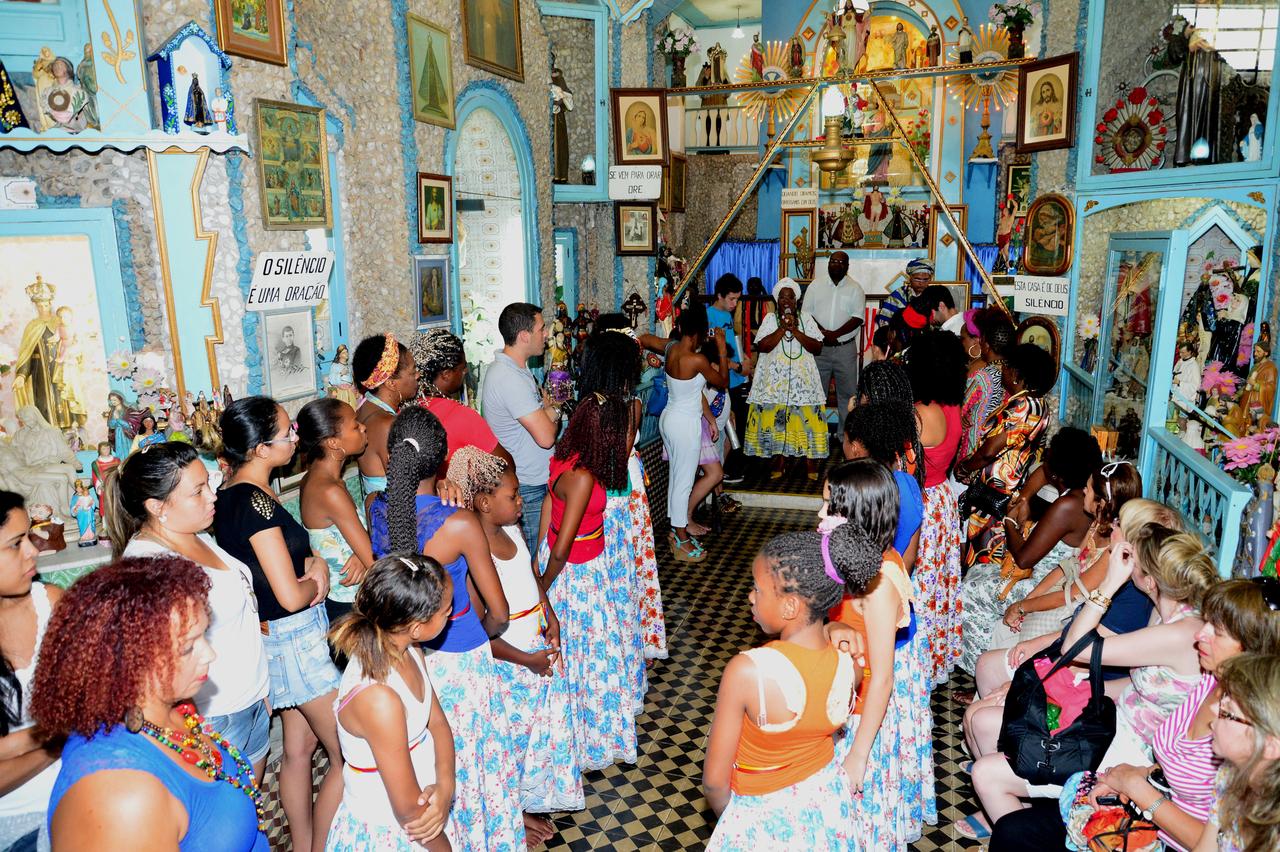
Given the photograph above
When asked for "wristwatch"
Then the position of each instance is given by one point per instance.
(1149, 814)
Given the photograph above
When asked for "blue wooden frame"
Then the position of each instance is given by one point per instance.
(170, 110)
(484, 94)
(1182, 178)
(27, 27)
(568, 237)
(600, 17)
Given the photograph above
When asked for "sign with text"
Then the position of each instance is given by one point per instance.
(289, 279)
(635, 183)
(799, 198)
(1034, 294)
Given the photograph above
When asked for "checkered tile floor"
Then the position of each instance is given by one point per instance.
(657, 804)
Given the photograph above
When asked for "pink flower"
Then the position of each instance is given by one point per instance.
(1221, 299)
(1241, 452)
(1245, 351)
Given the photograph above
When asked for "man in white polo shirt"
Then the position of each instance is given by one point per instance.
(837, 303)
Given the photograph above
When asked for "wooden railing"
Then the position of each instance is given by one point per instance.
(720, 127)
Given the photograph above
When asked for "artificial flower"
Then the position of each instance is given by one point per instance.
(148, 381)
(1090, 327)
(120, 365)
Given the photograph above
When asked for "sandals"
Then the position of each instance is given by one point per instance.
(694, 555)
(971, 828)
(728, 505)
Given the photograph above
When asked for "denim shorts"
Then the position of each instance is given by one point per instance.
(248, 730)
(298, 658)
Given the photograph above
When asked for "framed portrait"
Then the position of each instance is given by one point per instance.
(430, 72)
(491, 37)
(253, 29)
(635, 227)
(1047, 103)
(939, 230)
(431, 286)
(1043, 332)
(797, 257)
(293, 166)
(1050, 233)
(435, 208)
(639, 118)
(290, 347)
(1017, 181)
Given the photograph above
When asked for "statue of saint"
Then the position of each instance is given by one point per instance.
(197, 115)
(561, 106)
(795, 58)
(899, 43)
(804, 255)
(933, 48)
(37, 370)
(63, 102)
(88, 76)
(757, 59)
(964, 44)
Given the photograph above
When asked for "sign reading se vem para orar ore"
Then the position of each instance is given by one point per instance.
(289, 279)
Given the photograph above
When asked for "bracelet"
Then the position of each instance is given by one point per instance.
(1099, 600)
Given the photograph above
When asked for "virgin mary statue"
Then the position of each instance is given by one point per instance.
(35, 375)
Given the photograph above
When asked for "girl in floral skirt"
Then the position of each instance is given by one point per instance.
(890, 753)
(398, 772)
(772, 771)
(592, 597)
(408, 518)
(534, 688)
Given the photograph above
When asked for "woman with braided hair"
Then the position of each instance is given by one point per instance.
(408, 517)
(442, 371)
(534, 688)
(385, 372)
(887, 381)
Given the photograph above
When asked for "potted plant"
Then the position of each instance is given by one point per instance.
(676, 45)
(1015, 17)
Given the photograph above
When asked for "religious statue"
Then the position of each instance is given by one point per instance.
(1199, 81)
(88, 76)
(1251, 144)
(558, 350)
(849, 232)
(1259, 397)
(895, 232)
(804, 255)
(795, 58)
(338, 381)
(933, 48)
(39, 377)
(204, 425)
(63, 102)
(84, 508)
(714, 76)
(833, 57)
(220, 106)
(634, 308)
(561, 106)
(857, 29)
(757, 59)
(98, 470)
(964, 43)
(1187, 375)
(900, 43)
(664, 310)
(1004, 235)
(37, 463)
(197, 115)
(46, 532)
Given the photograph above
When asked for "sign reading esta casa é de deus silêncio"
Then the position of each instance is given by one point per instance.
(289, 279)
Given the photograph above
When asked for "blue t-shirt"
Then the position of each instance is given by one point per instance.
(463, 631)
(717, 318)
(1130, 610)
(220, 818)
(910, 510)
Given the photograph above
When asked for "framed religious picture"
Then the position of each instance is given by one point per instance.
(1050, 235)
(1041, 331)
(431, 286)
(639, 119)
(635, 227)
(435, 208)
(491, 37)
(430, 72)
(938, 230)
(1017, 181)
(290, 350)
(1047, 103)
(253, 29)
(293, 166)
(798, 233)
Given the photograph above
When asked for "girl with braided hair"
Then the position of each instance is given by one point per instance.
(772, 771)
(386, 374)
(409, 518)
(534, 688)
(883, 381)
(442, 371)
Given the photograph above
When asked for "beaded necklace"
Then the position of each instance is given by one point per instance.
(202, 755)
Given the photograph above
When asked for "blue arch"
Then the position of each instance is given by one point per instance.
(486, 94)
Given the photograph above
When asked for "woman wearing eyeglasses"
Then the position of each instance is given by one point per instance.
(1246, 736)
(290, 583)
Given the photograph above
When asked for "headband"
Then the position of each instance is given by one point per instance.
(826, 560)
(386, 367)
(970, 324)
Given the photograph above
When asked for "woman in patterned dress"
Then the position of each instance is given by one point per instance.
(1012, 441)
(408, 517)
(986, 335)
(936, 368)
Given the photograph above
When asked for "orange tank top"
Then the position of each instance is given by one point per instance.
(893, 570)
(818, 687)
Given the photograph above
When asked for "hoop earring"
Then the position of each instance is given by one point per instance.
(973, 354)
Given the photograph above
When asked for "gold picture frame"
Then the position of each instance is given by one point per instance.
(435, 208)
(486, 27)
(961, 212)
(252, 41)
(292, 151)
(430, 71)
(1048, 246)
(639, 123)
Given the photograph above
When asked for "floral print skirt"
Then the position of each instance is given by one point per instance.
(799, 431)
(937, 579)
(653, 629)
(620, 552)
(485, 816)
(349, 833)
(596, 648)
(814, 814)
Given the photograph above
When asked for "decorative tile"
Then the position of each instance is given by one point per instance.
(947, 240)
(949, 176)
(951, 23)
(807, 33)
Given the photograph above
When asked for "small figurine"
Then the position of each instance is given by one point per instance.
(899, 42)
(933, 48)
(1260, 388)
(46, 531)
(197, 115)
(964, 44)
(220, 105)
(665, 309)
(98, 470)
(339, 381)
(795, 55)
(804, 255)
(558, 349)
(148, 433)
(561, 106)
(1251, 144)
(177, 426)
(84, 506)
(63, 102)
(757, 59)
(88, 75)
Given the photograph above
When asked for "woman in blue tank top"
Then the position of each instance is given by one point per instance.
(123, 653)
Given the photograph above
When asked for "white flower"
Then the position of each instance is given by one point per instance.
(1090, 326)
(147, 381)
(120, 364)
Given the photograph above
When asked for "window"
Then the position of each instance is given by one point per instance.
(1244, 35)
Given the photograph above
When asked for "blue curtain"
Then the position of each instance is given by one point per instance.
(987, 254)
(746, 259)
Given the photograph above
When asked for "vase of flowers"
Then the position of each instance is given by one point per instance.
(676, 45)
(1015, 17)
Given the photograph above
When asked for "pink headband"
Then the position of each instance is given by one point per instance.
(970, 324)
(826, 560)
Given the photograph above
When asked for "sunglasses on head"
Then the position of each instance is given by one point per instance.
(1270, 588)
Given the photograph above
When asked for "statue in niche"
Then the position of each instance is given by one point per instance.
(37, 463)
(899, 42)
(197, 116)
(804, 254)
(88, 75)
(795, 58)
(1199, 83)
(933, 48)
(964, 43)
(39, 376)
(713, 75)
(757, 59)
(63, 102)
(1251, 144)
(561, 106)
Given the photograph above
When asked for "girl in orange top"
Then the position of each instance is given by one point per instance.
(891, 728)
(771, 771)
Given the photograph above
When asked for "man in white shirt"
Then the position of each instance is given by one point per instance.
(941, 307)
(837, 303)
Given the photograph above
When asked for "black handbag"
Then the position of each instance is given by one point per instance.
(1036, 754)
(983, 498)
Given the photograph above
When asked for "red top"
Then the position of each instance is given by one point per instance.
(589, 542)
(463, 426)
(938, 458)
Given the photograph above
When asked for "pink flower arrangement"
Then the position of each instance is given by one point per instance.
(1248, 453)
(1215, 378)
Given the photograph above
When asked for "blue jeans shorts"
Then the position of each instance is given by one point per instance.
(298, 658)
(248, 730)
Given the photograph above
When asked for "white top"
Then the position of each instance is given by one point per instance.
(954, 324)
(833, 304)
(684, 396)
(238, 674)
(33, 796)
(364, 793)
(521, 590)
(788, 375)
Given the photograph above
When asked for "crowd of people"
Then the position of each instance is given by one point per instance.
(469, 632)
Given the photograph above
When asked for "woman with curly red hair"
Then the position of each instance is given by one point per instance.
(141, 769)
